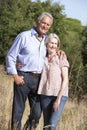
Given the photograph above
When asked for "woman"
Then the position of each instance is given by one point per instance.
(53, 86)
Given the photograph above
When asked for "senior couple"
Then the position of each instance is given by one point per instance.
(40, 72)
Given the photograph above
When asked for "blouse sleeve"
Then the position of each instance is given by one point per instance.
(63, 63)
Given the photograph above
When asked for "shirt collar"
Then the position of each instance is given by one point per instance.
(34, 32)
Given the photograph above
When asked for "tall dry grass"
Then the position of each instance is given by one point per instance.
(74, 116)
(6, 95)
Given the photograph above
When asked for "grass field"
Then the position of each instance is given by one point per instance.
(74, 116)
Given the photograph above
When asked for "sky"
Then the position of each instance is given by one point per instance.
(76, 9)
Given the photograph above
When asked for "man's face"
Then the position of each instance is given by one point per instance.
(44, 25)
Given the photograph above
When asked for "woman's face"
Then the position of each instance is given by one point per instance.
(52, 46)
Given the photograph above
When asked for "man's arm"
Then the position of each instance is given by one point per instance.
(11, 60)
(11, 57)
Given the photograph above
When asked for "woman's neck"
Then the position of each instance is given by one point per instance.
(51, 55)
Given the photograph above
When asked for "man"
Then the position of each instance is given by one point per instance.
(29, 50)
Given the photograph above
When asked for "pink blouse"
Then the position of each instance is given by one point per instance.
(51, 79)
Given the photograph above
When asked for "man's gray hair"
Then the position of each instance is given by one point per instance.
(45, 14)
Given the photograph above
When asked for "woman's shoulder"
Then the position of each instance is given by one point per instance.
(63, 62)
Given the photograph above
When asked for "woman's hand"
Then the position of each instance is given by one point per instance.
(18, 65)
(56, 104)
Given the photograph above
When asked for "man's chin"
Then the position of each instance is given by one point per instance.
(44, 31)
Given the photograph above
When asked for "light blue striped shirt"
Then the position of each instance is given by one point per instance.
(28, 51)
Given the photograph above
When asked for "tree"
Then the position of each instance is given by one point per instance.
(12, 15)
(20, 15)
(84, 46)
(72, 42)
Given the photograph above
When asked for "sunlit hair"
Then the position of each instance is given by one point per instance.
(50, 36)
(45, 14)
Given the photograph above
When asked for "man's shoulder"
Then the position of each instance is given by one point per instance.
(27, 32)
(24, 34)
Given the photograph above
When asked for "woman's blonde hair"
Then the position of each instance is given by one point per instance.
(50, 36)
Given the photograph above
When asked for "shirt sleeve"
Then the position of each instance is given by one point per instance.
(11, 57)
(63, 63)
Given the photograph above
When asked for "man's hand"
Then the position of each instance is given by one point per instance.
(18, 79)
(61, 54)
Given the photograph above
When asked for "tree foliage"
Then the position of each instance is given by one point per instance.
(20, 15)
(72, 44)
(84, 46)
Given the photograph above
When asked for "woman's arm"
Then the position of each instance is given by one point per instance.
(63, 86)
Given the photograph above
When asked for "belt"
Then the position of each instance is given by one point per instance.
(34, 74)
